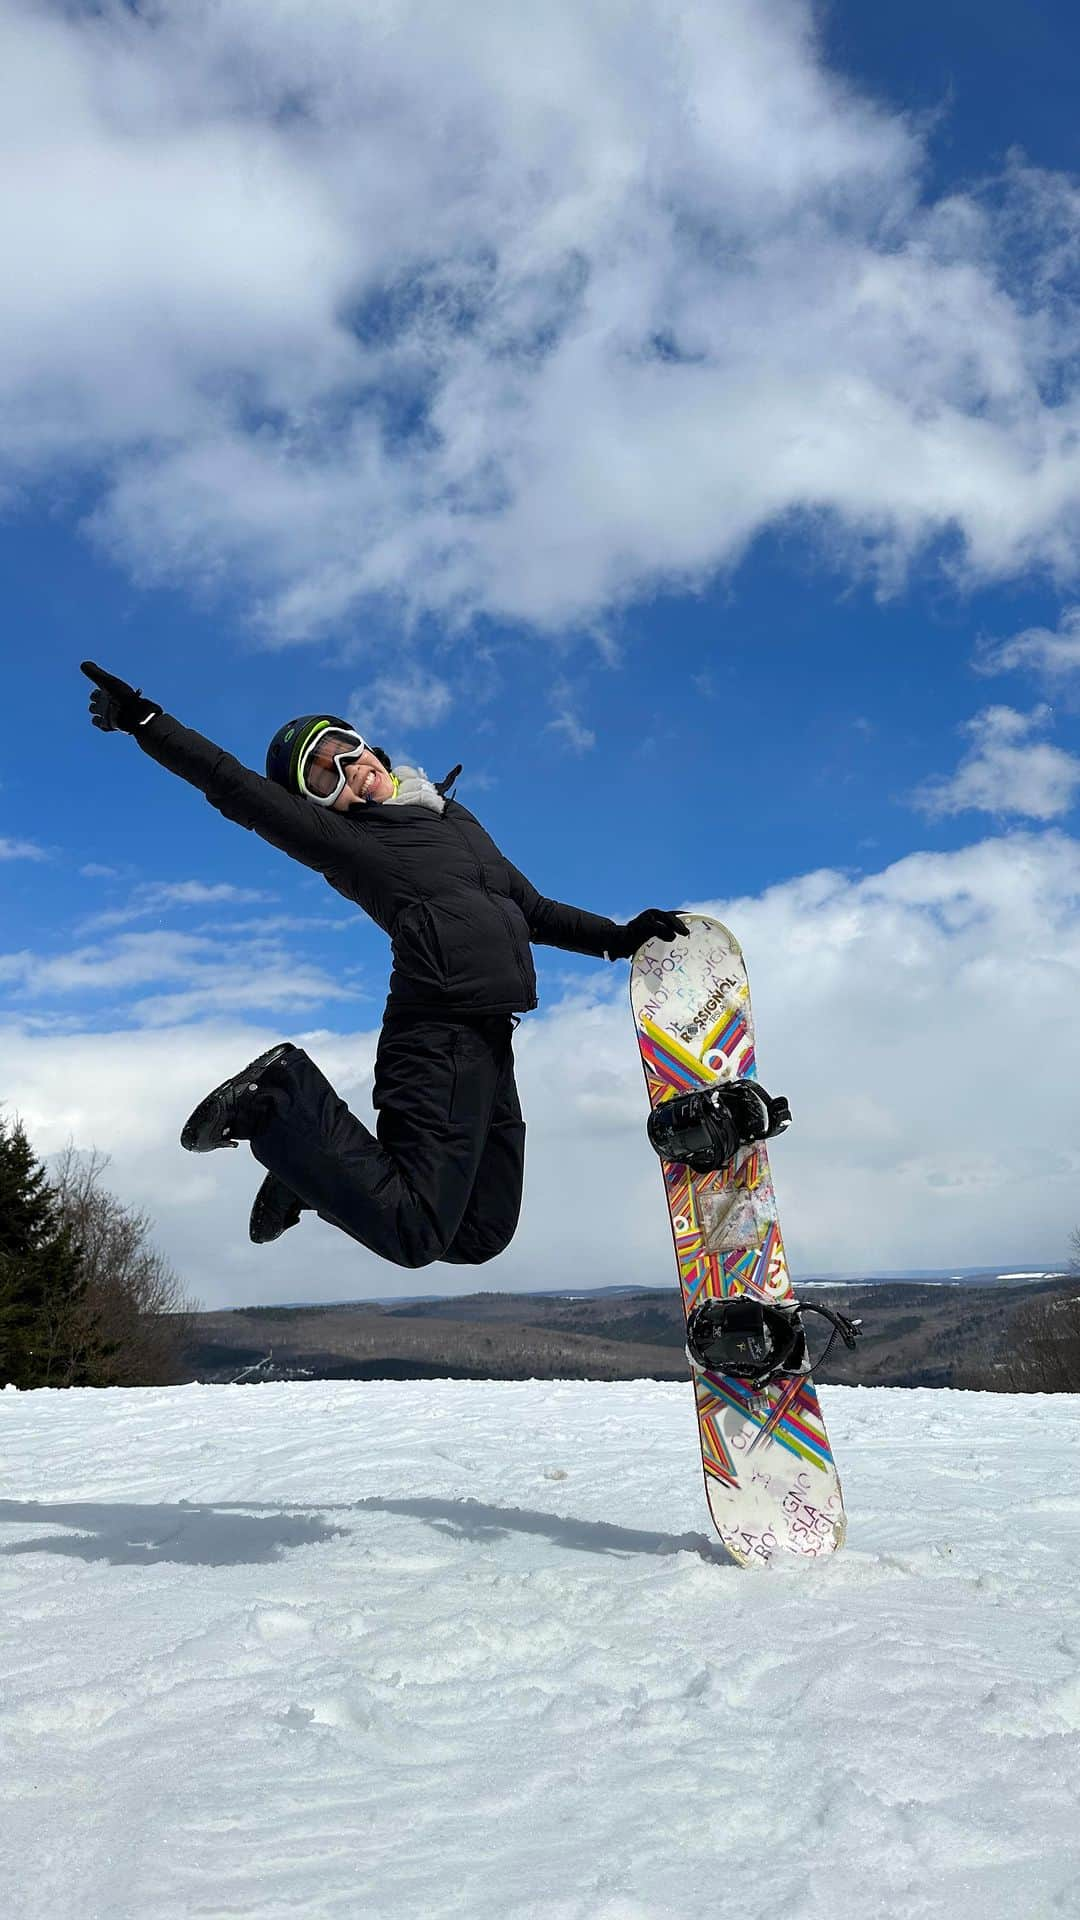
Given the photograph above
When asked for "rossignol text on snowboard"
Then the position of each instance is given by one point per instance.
(770, 1479)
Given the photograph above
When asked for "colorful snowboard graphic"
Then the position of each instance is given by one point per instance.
(770, 1481)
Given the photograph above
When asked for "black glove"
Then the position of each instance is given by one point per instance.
(653, 924)
(116, 707)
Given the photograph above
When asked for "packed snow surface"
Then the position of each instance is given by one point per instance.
(387, 1650)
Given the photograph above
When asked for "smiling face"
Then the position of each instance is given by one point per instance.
(365, 778)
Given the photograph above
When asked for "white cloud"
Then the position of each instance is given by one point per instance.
(922, 1021)
(1051, 652)
(160, 896)
(203, 975)
(911, 1015)
(407, 698)
(129, 1094)
(574, 733)
(513, 310)
(310, 925)
(21, 850)
(1006, 772)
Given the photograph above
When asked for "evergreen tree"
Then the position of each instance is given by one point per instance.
(41, 1277)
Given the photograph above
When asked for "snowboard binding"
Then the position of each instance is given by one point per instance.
(755, 1341)
(705, 1129)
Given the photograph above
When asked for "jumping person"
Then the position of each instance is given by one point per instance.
(441, 1177)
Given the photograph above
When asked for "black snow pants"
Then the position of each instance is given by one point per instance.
(441, 1178)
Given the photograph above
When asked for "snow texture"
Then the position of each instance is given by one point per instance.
(391, 1650)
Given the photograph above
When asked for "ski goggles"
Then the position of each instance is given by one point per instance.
(322, 760)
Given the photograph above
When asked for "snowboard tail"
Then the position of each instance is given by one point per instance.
(770, 1479)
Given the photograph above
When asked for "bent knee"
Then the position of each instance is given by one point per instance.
(488, 1252)
(471, 1247)
(417, 1256)
(476, 1249)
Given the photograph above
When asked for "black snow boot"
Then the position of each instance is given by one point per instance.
(757, 1341)
(705, 1129)
(745, 1337)
(235, 1110)
(276, 1209)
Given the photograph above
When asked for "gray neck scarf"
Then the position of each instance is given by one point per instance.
(415, 790)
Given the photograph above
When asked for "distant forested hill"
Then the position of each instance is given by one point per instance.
(915, 1334)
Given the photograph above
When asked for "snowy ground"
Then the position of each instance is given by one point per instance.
(390, 1650)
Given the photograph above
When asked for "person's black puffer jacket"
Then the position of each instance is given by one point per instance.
(459, 916)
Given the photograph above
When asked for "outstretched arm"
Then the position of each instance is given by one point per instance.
(552, 924)
(308, 833)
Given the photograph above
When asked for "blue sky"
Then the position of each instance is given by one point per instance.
(679, 430)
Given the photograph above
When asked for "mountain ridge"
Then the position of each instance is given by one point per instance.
(915, 1333)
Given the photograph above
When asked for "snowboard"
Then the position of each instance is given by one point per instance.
(770, 1481)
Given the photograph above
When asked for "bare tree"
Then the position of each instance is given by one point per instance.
(132, 1326)
(1040, 1352)
(1074, 1243)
